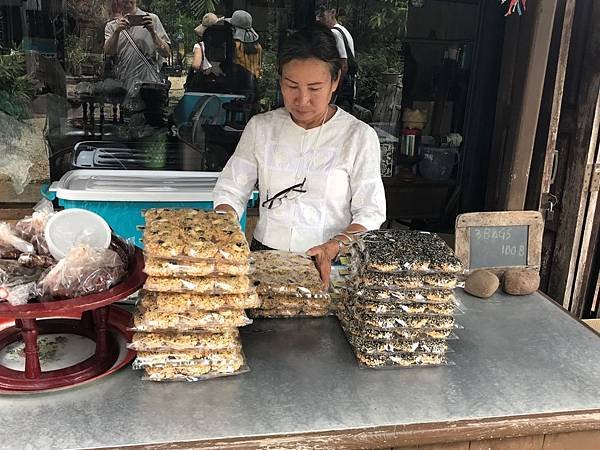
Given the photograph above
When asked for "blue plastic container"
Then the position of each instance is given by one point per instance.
(212, 105)
(120, 197)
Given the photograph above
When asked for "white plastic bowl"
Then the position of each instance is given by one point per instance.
(74, 226)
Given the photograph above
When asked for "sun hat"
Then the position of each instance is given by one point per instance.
(208, 20)
(242, 25)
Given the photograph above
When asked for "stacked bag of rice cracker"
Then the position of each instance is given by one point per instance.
(193, 302)
(398, 308)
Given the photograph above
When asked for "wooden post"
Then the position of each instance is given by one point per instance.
(29, 331)
(575, 193)
(527, 44)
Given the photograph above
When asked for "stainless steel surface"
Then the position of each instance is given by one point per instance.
(515, 356)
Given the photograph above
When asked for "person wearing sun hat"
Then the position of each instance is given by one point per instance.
(200, 62)
(248, 52)
(208, 20)
(241, 21)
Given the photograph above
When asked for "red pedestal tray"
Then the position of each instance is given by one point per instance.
(93, 311)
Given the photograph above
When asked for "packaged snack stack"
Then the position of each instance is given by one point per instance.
(288, 285)
(193, 301)
(399, 305)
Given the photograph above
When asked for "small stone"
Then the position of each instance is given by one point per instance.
(521, 281)
(482, 283)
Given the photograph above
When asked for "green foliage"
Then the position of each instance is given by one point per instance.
(88, 10)
(15, 86)
(201, 7)
(373, 64)
(186, 14)
(389, 17)
(267, 84)
(377, 27)
(74, 51)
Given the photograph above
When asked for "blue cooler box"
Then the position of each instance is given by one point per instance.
(120, 196)
(192, 101)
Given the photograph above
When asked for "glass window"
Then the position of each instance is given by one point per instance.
(159, 84)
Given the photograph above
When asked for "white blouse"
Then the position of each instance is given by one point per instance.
(341, 163)
(205, 63)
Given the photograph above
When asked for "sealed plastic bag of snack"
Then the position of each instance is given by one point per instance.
(9, 239)
(155, 342)
(173, 302)
(8, 252)
(394, 360)
(382, 280)
(31, 260)
(193, 234)
(200, 285)
(155, 320)
(186, 358)
(175, 267)
(369, 345)
(83, 271)
(18, 284)
(196, 372)
(284, 273)
(405, 250)
(31, 228)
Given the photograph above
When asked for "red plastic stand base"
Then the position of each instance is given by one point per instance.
(92, 325)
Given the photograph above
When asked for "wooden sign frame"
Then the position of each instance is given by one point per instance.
(532, 219)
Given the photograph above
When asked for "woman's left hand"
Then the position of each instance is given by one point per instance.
(324, 254)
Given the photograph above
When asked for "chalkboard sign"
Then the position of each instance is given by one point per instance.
(499, 240)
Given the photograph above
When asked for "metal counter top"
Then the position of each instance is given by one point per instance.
(515, 356)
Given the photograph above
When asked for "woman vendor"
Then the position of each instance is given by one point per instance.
(317, 167)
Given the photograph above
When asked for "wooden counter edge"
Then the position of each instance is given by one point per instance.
(405, 435)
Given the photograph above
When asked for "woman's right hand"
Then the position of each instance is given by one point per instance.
(225, 208)
(122, 24)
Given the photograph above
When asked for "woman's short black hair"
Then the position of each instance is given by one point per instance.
(315, 41)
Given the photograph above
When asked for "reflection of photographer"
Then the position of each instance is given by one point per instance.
(140, 43)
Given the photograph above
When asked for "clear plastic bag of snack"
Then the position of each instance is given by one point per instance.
(397, 250)
(402, 296)
(158, 342)
(405, 280)
(200, 285)
(368, 345)
(167, 267)
(8, 252)
(387, 306)
(397, 360)
(433, 346)
(125, 248)
(286, 301)
(405, 333)
(83, 271)
(196, 372)
(18, 284)
(169, 302)
(394, 309)
(286, 313)
(429, 321)
(31, 260)
(31, 228)
(193, 234)
(9, 239)
(155, 320)
(284, 273)
(357, 327)
(195, 357)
